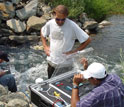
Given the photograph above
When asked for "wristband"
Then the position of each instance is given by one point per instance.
(75, 87)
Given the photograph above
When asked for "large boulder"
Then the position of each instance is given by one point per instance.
(29, 10)
(16, 25)
(35, 23)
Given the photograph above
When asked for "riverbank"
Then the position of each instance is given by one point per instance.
(22, 21)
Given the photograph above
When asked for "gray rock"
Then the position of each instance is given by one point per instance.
(28, 11)
(15, 1)
(35, 23)
(105, 23)
(90, 25)
(16, 25)
(24, 39)
(17, 103)
(3, 90)
(6, 10)
(10, 96)
(46, 9)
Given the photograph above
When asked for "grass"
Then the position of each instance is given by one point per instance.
(96, 9)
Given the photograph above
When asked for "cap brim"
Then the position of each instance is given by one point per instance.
(86, 74)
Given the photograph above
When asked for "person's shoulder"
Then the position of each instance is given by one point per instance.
(113, 75)
(70, 21)
(50, 21)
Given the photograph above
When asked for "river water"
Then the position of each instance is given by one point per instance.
(27, 64)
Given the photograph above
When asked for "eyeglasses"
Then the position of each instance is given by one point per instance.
(57, 19)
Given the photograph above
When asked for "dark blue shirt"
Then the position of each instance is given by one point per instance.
(110, 93)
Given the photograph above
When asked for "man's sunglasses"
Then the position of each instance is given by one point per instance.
(57, 19)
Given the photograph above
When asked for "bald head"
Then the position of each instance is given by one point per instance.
(61, 9)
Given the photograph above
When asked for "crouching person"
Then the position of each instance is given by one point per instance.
(7, 79)
(109, 90)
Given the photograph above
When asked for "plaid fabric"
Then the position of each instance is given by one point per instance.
(110, 93)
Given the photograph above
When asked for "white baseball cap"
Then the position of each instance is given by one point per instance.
(95, 70)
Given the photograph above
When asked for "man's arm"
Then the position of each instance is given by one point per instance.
(75, 97)
(81, 47)
(78, 78)
(46, 47)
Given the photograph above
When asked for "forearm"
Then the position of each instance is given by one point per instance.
(44, 42)
(83, 45)
(46, 47)
(75, 97)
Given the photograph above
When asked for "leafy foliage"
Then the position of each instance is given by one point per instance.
(97, 9)
(76, 7)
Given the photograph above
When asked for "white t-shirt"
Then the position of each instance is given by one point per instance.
(62, 39)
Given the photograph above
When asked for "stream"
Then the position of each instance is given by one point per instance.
(27, 64)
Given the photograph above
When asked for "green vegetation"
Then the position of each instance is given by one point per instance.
(122, 64)
(97, 9)
(76, 7)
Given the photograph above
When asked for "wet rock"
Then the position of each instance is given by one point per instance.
(105, 23)
(90, 25)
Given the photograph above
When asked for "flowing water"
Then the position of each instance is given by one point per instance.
(27, 64)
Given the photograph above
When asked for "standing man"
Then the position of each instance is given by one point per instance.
(7, 79)
(109, 90)
(62, 33)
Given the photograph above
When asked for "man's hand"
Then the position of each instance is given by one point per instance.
(78, 78)
(84, 62)
(47, 50)
(2, 73)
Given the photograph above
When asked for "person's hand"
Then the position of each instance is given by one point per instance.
(84, 62)
(2, 73)
(77, 79)
(47, 50)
